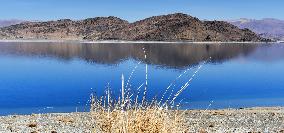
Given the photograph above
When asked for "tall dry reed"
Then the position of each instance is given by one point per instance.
(128, 114)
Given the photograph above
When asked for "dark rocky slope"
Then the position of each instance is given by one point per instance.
(179, 27)
(172, 27)
(62, 29)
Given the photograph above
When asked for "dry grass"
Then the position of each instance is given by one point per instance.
(139, 121)
(129, 115)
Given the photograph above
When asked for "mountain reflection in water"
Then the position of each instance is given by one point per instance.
(164, 55)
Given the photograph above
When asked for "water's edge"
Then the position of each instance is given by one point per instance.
(124, 41)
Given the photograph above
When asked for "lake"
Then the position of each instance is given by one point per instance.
(59, 77)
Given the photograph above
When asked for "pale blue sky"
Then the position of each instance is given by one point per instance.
(133, 10)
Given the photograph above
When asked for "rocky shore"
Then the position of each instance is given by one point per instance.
(229, 120)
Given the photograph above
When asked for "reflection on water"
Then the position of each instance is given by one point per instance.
(57, 77)
(166, 55)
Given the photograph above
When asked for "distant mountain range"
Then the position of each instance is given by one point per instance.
(4, 23)
(171, 27)
(268, 28)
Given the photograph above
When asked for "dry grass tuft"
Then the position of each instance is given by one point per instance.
(151, 120)
(129, 115)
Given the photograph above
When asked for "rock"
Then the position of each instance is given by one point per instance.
(32, 125)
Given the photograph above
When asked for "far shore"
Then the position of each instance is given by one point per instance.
(258, 119)
(123, 41)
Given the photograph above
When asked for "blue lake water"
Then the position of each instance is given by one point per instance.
(59, 77)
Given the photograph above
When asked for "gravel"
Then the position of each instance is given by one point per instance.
(270, 119)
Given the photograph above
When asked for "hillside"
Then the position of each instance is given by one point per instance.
(172, 27)
(65, 29)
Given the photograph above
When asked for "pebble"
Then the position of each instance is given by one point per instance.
(206, 121)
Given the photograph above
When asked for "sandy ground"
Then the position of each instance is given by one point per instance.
(229, 120)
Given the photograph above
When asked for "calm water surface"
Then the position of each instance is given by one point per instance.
(59, 77)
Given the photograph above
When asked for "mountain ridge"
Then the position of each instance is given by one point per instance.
(171, 27)
(267, 27)
(4, 23)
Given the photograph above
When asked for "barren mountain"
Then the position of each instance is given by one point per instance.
(172, 27)
(65, 29)
(179, 27)
(269, 28)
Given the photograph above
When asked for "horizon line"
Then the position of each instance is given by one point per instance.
(78, 19)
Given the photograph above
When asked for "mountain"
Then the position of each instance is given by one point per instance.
(65, 29)
(4, 23)
(171, 27)
(268, 27)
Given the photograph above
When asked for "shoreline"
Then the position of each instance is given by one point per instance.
(86, 110)
(257, 119)
(137, 42)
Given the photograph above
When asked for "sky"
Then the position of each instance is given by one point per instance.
(133, 10)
